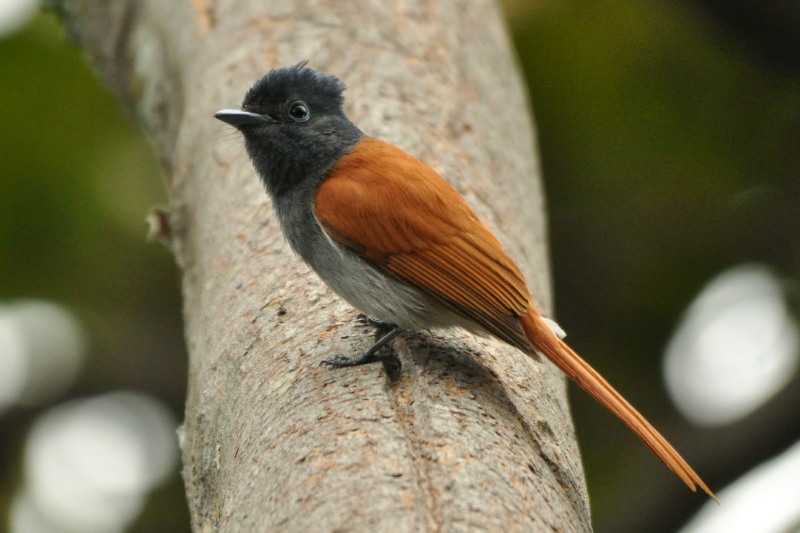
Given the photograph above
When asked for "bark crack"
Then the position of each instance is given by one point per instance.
(411, 418)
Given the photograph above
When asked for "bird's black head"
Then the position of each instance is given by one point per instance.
(294, 126)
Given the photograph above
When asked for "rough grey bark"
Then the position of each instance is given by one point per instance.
(472, 435)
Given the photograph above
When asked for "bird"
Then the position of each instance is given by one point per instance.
(395, 239)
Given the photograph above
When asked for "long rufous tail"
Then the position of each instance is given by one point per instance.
(569, 362)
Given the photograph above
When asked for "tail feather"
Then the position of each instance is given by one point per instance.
(592, 382)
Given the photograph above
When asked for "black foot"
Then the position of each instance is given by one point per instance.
(369, 356)
(374, 321)
(342, 362)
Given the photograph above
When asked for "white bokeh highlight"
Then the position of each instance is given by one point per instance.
(14, 14)
(735, 348)
(766, 500)
(42, 348)
(90, 464)
(13, 363)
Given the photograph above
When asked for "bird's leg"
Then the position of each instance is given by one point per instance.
(370, 355)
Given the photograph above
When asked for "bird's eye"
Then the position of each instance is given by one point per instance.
(298, 112)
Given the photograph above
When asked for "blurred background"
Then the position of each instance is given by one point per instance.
(669, 134)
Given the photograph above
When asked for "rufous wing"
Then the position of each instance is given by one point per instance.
(400, 215)
(397, 213)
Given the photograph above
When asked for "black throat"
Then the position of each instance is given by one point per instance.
(289, 156)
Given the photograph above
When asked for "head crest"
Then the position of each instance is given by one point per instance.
(297, 82)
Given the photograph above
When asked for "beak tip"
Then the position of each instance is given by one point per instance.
(238, 118)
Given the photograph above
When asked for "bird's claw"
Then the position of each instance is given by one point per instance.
(363, 359)
(374, 321)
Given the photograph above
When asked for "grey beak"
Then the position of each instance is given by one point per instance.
(238, 118)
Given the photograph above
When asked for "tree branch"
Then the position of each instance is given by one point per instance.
(472, 434)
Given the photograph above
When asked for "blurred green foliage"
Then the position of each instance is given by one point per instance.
(76, 182)
(77, 177)
(669, 151)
